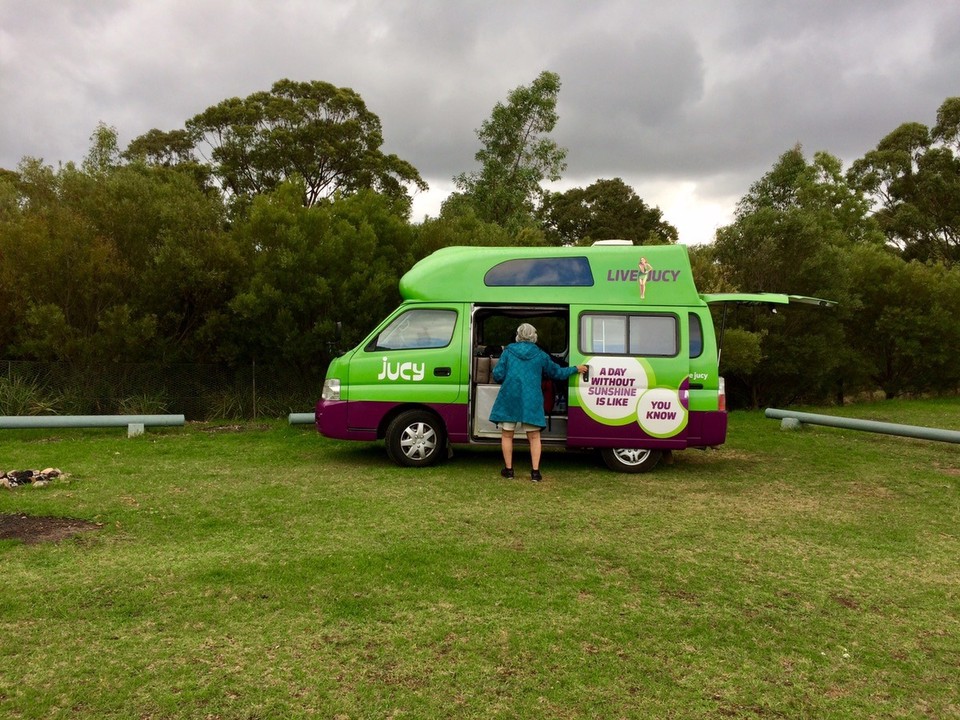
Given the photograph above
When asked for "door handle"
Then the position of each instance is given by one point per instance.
(442, 372)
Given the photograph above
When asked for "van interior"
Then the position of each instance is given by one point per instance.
(495, 327)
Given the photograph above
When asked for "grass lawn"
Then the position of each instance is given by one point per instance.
(270, 573)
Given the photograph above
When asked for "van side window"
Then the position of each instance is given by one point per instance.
(417, 329)
(541, 272)
(696, 336)
(628, 334)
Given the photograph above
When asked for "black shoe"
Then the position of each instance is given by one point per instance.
(507, 473)
(535, 476)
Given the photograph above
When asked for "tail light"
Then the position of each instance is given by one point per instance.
(722, 395)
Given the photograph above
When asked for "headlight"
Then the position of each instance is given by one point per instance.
(331, 390)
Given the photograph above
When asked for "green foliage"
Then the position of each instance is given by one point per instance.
(321, 133)
(229, 404)
(709, 275)
(104, 153)
(339, 261)
(792, 234)
(165, 149)
(742, 352)
(462, 227)
(66, 271)
(605, 210)
(515, 155)
(127, 262)
(173, 149)
(913, 177)
(905, 324)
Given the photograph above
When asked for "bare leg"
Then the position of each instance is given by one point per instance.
(533, 438)
(506, 445)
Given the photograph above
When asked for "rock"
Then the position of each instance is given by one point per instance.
(15, 478)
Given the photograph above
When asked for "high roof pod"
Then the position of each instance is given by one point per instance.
(604, 274)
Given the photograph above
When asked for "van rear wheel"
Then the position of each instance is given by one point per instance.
(415, 438)
(630, 460)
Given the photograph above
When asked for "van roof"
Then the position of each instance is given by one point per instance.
(604, 275)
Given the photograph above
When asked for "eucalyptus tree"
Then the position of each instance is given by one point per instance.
(913, 178)
(792, 233)
(515, 157)
(313, 130)
(605, 210)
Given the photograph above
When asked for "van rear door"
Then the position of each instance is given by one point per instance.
(770, 299)
(636, 395)
(764, 299)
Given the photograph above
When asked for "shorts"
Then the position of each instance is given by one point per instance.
(520, 427)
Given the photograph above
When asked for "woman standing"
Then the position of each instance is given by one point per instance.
(519, 404)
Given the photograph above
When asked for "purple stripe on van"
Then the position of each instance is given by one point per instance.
(713, 428)
(366, 417)
(703, 428)
(331, 419)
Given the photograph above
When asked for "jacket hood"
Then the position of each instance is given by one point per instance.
(522, 350)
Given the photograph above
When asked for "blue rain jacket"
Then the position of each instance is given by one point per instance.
(519, 371)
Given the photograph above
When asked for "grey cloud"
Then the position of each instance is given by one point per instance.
(691, 92)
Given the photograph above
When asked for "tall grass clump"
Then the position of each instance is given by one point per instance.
(25, 396)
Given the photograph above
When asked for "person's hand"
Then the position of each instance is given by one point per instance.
(582, 368)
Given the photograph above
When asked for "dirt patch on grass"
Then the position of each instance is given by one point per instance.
(233, 428)
(37, 529)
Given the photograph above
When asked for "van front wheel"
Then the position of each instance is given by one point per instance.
(415, 438)
(630, 460)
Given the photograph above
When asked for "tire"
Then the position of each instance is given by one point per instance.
(416, 438)
(630, 460)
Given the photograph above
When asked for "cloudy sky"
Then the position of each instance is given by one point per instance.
(689, 101)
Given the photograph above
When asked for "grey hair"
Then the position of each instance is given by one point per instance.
(526, 333)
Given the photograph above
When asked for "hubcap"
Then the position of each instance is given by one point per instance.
(631, 456)
(419, 441)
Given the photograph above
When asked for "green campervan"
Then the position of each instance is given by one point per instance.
(422, 379)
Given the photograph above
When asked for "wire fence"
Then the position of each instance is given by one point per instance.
(197, 391)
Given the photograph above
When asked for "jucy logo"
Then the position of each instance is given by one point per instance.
(402, 371)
